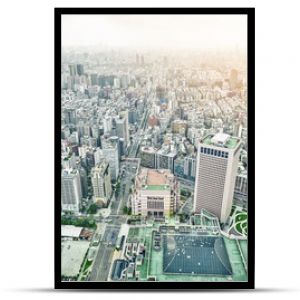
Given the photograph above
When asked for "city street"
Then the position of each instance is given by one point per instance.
(103, 259)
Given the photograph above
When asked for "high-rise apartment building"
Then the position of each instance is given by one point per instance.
(70, 190)
(72, 70)
(94, 79)
(101, 182)
(70, 116)
(111, 154)
(217, 163)
(80, 69)
(122, 128)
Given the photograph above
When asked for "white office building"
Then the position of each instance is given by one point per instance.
(217, 163)
(101, 182)
(70, 190)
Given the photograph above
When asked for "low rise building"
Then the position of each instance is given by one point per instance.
(155, 193)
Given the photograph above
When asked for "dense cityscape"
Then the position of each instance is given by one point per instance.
(153, 165)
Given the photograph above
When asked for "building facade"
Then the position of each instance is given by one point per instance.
(155, 193)
(241, 186)
(111, 154)
(217, 163)
(70, 190)
(101, 183)
(148, 155)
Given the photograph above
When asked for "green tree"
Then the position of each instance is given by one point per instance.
(92, 209)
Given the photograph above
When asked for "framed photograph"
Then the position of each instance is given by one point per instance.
(154, 148)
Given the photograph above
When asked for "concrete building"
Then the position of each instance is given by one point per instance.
(179, 127)
(165, 158)
(148, 157)
(241, 186)
(217, 163)
(98, 156)
(101, 183)
(111, 154)
(155, 193)
(69, 162)
(115, 140)
(84, 182)
(70, 190)
(70, 116)
(179, 167)
(190, 164)
(80, 69)
(122, 128)
(94, 79)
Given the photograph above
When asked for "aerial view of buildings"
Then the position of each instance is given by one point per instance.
(153, 162)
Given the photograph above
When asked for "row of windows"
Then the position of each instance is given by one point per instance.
(155, 205)
(214, 152)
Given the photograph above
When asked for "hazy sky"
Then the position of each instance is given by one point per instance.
(157, 31)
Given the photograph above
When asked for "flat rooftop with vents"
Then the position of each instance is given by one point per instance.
(221, 140)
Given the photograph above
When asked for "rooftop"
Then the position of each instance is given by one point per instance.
(72, 255)
(156, 178)
(70, 231)
(148, 149)
(156, 187)
(69, 172)
(221, 140)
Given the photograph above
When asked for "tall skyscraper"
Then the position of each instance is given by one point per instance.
(70, 116)
(94, 79)
(84, 182)
(70, 190)
(111, 154)
(217, 163)
(101, 182)
(122, 128)
(80, 69)
(72, 70)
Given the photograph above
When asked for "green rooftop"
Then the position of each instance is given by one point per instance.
(155, 187)
(230, 143)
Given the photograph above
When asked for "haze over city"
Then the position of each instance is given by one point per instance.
(202, 32)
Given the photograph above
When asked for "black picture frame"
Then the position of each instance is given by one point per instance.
(158, 286)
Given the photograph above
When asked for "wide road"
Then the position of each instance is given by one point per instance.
(103, 260)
